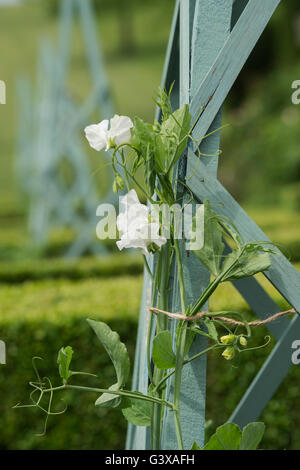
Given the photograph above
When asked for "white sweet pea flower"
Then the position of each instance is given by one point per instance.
(135, 229)
(109, 134)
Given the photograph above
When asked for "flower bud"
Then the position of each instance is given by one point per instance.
(228, 353)
(227, 339)
(243, 341)
(115, 187)
(118, 184)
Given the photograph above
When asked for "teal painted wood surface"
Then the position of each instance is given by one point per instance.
(281, 274)
(261, 304)
(138, 437)
(210, 59)
(197, 52)
(214, 88)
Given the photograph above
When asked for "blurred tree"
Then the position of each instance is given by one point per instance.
(125, 14)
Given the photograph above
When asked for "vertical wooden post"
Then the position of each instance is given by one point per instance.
(204, 27)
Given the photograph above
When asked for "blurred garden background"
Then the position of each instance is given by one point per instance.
(46, 297)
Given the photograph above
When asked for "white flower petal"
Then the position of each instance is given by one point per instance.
(120, 123)
(130, 198)
(134, 227)
(122, 137)
(119, 131)
(96, 134)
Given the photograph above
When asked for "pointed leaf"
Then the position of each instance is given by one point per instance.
(163, 354)
(139, 413)
(213, 444)
(109, 401)
(195, 446)
(211, 252)
(252, 435)
(116, 350)
(178, 125)
(150, 175)
(211, 328)
(229, 436)
(64, 360)
(248, 264)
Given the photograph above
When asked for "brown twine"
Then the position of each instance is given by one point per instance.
(199, 315)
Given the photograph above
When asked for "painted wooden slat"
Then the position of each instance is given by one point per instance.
(187, 8)
(237, 9)
(225, 69)
(206, 16)
(137, 436)
(261, 304)
(259, 301)
(268, 379)
(96, 60)
(64, 40)
(205, 186)
(249, 19)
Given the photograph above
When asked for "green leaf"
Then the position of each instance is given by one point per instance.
(213, 444)
(211, 252)
(195, 446)
(150, 174)
(166, 189)
(64, 360)
(160, 154)
(144, 135)
(116, 350)
(211, 328)
(163, 354)
(178, 125)
(232, 232)
(252, 435)
(139, 413)
(248, 264)
(190, 336)
(227, 437)
(107, 400)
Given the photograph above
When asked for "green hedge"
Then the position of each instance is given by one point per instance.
(82, 268)
(85, 427)
(82, 426)
(37, 318)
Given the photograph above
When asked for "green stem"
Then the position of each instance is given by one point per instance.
(154, 287)
(180, 352)
(187, 361)
(213, 285)
(162, 324)
(125, 393)
(180, 275)
(148, 268)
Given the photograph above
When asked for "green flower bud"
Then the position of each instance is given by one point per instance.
(118, 184)
(227, 339)
(115, 187)
(243, 341)
(152, 247)
(228, 353)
